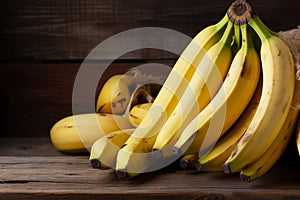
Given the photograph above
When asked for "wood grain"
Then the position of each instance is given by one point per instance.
(64, 29)
(51, 175)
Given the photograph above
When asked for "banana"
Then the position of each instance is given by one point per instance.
(228, 104)
(170, 93)
(114, 96)
(138, 112)
(214, 160)
(276, 149)
(202, 88)
(104, 150)
(77, 133)
(277, 91)
(135, 158)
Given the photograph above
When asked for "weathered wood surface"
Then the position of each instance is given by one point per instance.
(69, 29)
(32, 169)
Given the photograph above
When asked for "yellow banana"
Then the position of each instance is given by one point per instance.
(104, 150)
(135, 158)
(228, 104)
(138, 112)
(274, 151)
(77, 133)
(114, 96)
(171, 92)
(202, 88)
(214, 160)
(278, 72)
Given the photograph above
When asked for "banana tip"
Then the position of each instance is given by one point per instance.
(183, 164)
(226, 168)
(198, 166)
(122, 174)
(245, 178)
(95, 164)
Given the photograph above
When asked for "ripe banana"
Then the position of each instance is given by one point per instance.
(170, 92)
(114, 96)
(214, 160)
(104, 150)
(202, 88)
(274, 151)
(277, 91)
(138, 112)
(77, 133)
(228, 104)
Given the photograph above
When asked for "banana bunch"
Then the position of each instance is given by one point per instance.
(228, 104)
(121, 105)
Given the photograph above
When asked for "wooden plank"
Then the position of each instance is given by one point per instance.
(61, 176)
(63, 30)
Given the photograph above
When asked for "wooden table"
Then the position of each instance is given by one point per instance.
(31, 168)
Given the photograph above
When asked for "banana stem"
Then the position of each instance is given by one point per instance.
(239, 12)
(225, 37)
(237, 38)
(260, 28)
(245, 41)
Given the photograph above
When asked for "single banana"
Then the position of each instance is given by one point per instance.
(138, 113)
(170, 93)
(278, 72)
(77, 133)
(274, 151)
(104, 150)
(226, 107)
(202, 88)
(138, 155)
(114, 96)
(214, 160)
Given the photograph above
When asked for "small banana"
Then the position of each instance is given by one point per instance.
(170, 93)
(274, 151)
(77, 133)
(138, 112)
(228, 104)
(214, 160)
(104, 150)
(278, 72)
(202, 88)
(114, 96)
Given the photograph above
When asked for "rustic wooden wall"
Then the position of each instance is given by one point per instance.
(44, 42)
(69, 29)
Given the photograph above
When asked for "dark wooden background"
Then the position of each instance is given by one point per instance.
(44, 42)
